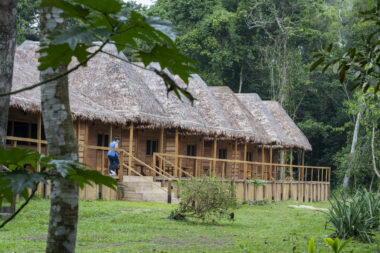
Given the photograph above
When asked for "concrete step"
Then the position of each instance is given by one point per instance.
(137, 179)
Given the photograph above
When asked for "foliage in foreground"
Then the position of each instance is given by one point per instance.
(21, 175)
(357, 217)
(207, 199)
(334, 245)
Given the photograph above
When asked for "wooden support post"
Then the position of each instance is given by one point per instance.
(154, 165)
(202, 155)
(291, 163)
(262, 160)
(130, 148)
(180, 168)
(161, 146)
(245, 162)
(311, 185)
(39, 132)
(170, 191)
(235, 158)
(303, 163)
(270, 161)
(214, 154)
(110, 134)
(176, 153)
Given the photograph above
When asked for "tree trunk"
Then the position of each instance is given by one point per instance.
(60, 135)
(241, 78)
(8, 17)
(373, 153)
(346, 179)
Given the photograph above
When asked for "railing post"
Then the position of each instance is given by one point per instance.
(245, 162)
(176, 153)
(262, 160)
(270, 161)
(214, 155)
(153, 166)
(169, 191)
(130, 148)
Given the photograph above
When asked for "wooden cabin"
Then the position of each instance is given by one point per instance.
(235, 137)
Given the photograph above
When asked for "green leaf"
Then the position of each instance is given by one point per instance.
(311, 248)
(70, 10)
(335, 67)
(73, 36)
(107, 7)
(54, 55)
(316, 64)
(329, 47)
(342, 75)
(344, 244)
(20, 180)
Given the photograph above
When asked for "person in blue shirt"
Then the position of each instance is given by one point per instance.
(113, 156)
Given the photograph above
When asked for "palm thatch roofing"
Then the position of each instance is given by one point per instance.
(288, 125)
(113, 91)
(239, 116)
(263, 118)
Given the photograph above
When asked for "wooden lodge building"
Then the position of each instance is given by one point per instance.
(237, 137)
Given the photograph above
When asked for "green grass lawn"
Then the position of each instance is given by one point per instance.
(115, 226)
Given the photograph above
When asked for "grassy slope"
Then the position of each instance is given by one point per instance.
(130, 227)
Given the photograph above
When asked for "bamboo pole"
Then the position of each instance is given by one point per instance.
(39, 132)
(214, 155)
(235, 158)
(262, 160)
(202, 154)
(291, 163)
(161, 146)
(303, 163)
(245, 164)
(130, 148)
(270, 161)
(176, 153)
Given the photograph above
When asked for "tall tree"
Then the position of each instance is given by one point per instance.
(60, 135)
(8, 16)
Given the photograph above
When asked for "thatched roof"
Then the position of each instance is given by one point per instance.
(25, 73)
(288, 125)
(183, 115)
(114, 91)
(238, 116)
(263, 118)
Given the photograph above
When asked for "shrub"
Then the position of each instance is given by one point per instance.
(355, 217)
(206, 198)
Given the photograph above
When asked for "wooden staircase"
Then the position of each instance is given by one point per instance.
(144, 189)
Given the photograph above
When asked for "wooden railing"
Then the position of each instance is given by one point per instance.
(195, 166)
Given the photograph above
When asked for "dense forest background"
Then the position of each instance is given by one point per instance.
(266, 47)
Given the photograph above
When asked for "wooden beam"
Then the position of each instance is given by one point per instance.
(130, 148)
(262, 160)
(214, 154)
(245, 164)
(303, 163)
(176, 154)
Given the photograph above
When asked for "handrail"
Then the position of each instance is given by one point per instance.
(129, 167)
(240, 161)
(179, 168)
(14, 138)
